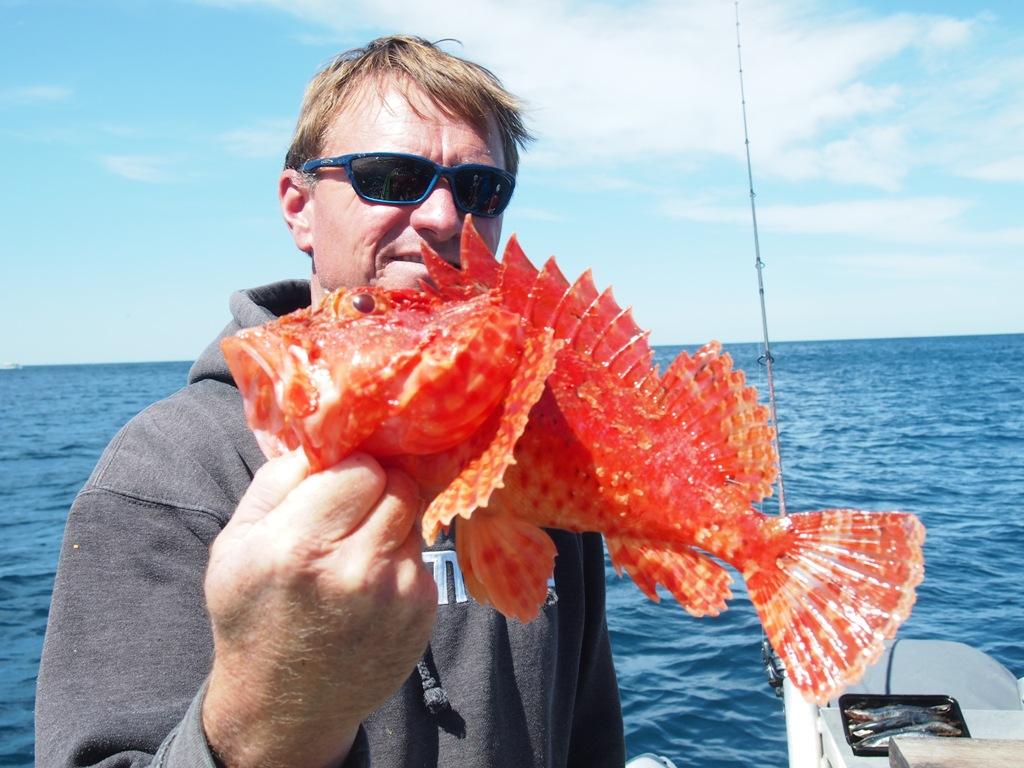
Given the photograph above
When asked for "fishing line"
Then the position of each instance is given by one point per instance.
(766, 359)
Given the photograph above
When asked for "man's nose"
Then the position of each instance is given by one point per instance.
(437, 219)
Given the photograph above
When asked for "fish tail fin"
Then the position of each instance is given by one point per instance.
(830, 587)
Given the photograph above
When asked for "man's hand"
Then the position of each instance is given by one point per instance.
(320, 606)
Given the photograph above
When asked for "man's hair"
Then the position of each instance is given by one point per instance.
(460, 88)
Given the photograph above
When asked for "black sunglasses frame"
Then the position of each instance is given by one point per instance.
(448, 172)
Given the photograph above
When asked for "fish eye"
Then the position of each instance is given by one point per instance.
(364, 302)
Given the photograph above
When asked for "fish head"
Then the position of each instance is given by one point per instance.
(386, 371)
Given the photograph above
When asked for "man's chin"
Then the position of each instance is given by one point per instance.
(402, 274)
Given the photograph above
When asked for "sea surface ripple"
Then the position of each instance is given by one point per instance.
(934, 426)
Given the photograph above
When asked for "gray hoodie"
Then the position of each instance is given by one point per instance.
(128, 642)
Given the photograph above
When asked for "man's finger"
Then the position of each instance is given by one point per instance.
(394, 519)
(270, 485)
(331, 503)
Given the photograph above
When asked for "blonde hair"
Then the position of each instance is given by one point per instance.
(460, 88)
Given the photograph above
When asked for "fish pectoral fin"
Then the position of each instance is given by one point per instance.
(483, 473)
(505, 563)
(698, 583)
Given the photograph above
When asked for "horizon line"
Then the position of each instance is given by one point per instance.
(686, 345)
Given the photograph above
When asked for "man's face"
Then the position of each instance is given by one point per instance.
(354, 242)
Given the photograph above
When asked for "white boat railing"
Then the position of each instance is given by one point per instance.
(803, 739)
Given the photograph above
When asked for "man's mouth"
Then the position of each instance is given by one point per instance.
(410, 258)
(402, 273)
(417, 258)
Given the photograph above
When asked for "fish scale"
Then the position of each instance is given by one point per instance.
(528, 402)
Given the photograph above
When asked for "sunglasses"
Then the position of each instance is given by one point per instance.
(394, 178)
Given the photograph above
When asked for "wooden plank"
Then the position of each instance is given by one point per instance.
(955, 753)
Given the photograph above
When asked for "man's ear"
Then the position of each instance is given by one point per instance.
(296, 198)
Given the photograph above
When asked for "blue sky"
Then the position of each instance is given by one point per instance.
(142, 142)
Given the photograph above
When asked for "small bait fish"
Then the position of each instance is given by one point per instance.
(893, 717)
(922, 730)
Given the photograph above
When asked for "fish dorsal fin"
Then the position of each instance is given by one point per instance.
(711, 400)
(477, 273)
(608, 335)
(574, 305)
(449, 281)
(702, 393)
(516, 277)
(547, 295)
(477, 262)
(589, 321)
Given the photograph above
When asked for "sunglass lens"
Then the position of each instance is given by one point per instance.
(391, 179)
(481, 191)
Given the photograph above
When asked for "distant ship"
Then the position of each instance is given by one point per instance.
(9, 366)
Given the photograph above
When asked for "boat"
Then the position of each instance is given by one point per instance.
(650, 760)
(9, 366)
(988, 697)
(985, 694)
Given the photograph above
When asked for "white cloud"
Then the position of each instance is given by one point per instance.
(873, 157)
(949, 33)
(918, 220)
(149, 168)
(849, 96)
(912, 220)
(35, 94)
(269, 138)
(1005, 169)
(705, 211)
(913, 266)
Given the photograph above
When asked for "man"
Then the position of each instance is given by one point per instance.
(291, 621)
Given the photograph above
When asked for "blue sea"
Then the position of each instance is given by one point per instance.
(930, 425)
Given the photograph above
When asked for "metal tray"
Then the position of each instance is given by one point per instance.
(848, 701)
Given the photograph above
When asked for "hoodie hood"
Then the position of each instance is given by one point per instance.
(249, 308)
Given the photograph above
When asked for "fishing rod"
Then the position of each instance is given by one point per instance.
(798, 718)
(766, 359)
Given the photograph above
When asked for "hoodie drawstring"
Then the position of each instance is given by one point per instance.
(434, 697)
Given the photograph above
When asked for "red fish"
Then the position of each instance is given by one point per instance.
(519, 401)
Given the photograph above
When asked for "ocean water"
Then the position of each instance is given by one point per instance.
(934, 426)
